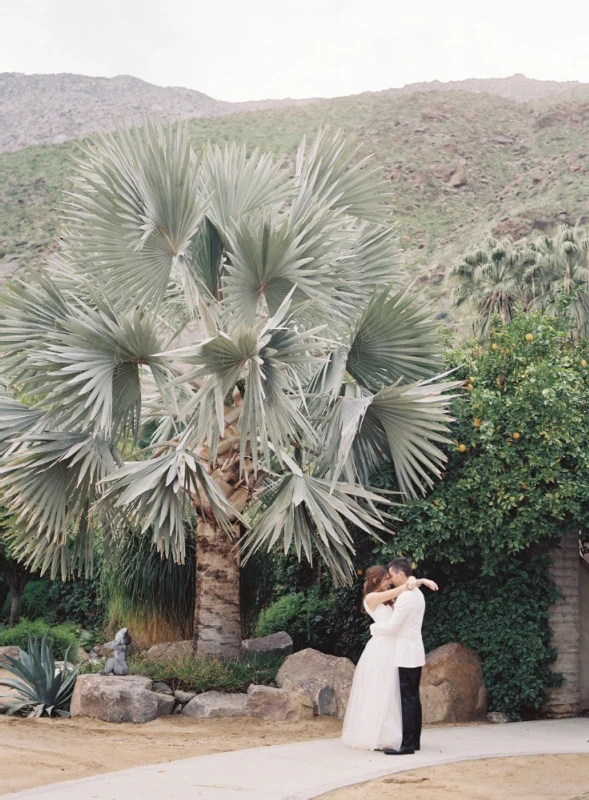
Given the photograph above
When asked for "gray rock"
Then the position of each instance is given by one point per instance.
(217, 704)
(114, 698)
(279, 644)
(169, 651)
(497, 717)
(279, 705)
(11, 651)
(165, 703)
(326, 679)
(178, 709)
(184, 697)
(162, 688)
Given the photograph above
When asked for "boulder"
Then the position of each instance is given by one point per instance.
(326, 679)
(279, 644)
(498, 718)
(162, 688)
(217, 704)
(118, 698)
(165, 703)
(11, 651)
(184, 697)
(452, 688)
(169, 651)
(278, 705)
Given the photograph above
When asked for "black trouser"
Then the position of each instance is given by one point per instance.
(410, 705)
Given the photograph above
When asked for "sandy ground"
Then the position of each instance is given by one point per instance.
(37, 752)
(555, 777)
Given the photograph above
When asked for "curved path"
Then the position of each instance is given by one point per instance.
(309, 769)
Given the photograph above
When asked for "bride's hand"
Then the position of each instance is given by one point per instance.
(430, 584)
(411, 583)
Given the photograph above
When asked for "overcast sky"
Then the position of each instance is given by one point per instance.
(255, 49)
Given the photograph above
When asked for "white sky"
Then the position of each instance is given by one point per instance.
(255, 49)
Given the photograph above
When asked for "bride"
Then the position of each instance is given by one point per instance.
(373, 717)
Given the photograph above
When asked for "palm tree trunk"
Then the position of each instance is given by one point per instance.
(15, 608)
(217, 614)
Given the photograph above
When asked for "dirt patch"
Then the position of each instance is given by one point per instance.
(38, 752)
(554, 777)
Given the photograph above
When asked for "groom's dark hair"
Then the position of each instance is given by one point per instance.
(401, 565)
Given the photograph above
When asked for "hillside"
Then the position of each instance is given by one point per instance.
(460, 164)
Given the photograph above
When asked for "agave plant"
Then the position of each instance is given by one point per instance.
(253, 315)
(39, 686)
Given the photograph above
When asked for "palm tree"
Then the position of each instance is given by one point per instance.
(250, 311)
(493, 280)
(561, 274)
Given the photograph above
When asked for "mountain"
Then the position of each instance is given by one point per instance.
(461, 162)
(50, 109)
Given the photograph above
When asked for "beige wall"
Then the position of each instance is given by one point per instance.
(564, 623)
(584, 609)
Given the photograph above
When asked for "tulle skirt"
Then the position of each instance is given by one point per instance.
(373, 717)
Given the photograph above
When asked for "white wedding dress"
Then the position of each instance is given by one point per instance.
(373, 717)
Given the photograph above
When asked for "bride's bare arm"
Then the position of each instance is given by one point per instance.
(374, 599)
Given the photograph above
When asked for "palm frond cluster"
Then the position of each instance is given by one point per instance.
(549, 274)
(252, 314)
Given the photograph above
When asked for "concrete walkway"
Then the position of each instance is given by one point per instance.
(309, 769)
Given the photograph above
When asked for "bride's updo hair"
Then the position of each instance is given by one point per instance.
(374, 577)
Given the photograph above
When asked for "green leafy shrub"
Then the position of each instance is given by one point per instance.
(40, 689)
(62, 637)
(304, 615)
(208, 673)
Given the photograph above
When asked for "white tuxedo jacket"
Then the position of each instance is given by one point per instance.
(405, 626)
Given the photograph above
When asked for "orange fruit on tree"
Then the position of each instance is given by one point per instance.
(477, 422)
(529, 337)
(462, 448)
(469, 387)
(494, 346)
(583, 363)
(516, 435)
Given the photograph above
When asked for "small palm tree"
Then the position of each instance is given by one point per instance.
(493, 278)
(249, 312)
(561, 274)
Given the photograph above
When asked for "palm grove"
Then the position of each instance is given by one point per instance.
(249, 315)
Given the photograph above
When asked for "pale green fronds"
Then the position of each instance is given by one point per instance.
(327, 381)
(414, 420)
(135, 206)
(272, 412)
(205, 259)
(158, 494)
(239, 184)
(332, 174)
(372, 262)
(31, 311)
(47, 486)
(395, 340)
(91, 375)
(17, 419)
(308, 512)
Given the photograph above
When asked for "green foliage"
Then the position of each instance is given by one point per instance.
(505, 620)
(62, 637)
(305, 616)
(485, 531)
(39, 689)
(147, 593)
(77, 601)
(208, 673)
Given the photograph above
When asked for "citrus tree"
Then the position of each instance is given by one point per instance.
(251, 314)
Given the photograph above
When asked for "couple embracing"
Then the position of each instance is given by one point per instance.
(384, 709)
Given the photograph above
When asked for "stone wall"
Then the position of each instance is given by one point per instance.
(584, 619)
(565, 625)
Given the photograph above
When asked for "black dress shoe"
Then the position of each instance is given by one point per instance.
(403, 751)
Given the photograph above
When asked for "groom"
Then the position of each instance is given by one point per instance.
(405, 624)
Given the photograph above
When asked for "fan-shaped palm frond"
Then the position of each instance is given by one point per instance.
(307, 512)
(394, 340)
(48, 486)
(135, 206)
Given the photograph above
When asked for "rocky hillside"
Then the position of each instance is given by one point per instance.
(460, 164)
(50, 109)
